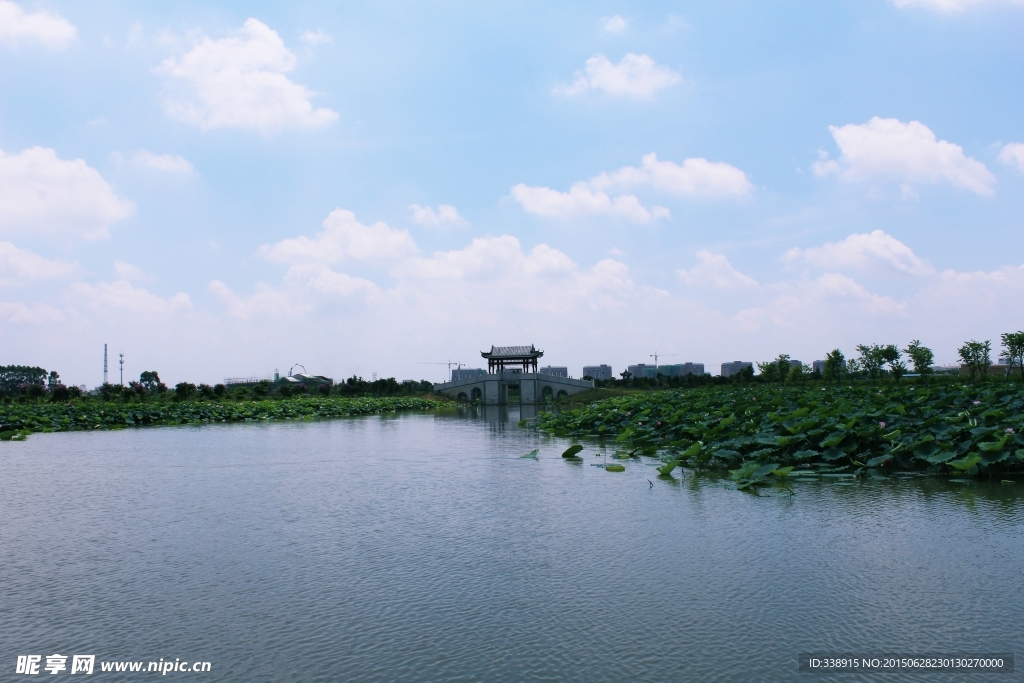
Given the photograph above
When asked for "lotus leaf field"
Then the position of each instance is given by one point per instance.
(18, 419)
(766, 435)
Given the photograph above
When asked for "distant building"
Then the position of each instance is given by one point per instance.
(466, 373)
(641, 370)
(735, 367)
(795, 364)
(677, 370)
(306, 380)
(997, 369)
(601, 372)
(819, 366)
(681, 369)
(554, 370)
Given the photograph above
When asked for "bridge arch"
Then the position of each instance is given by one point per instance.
(547, 394)
(462, 398)
(476, 396)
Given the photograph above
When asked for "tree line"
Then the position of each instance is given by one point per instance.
(24, 383)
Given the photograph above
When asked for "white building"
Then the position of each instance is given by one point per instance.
(554, 371)
(466, 373)
(601, 372)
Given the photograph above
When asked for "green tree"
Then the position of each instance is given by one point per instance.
(784, 365)
(871, 359)
(184, 391)
(53, 380)
(835, 363)
(769, 371)
(922, 358)
(975, 355)
(890, 355)
(151, 381)
(798, 373)
(1013, 350)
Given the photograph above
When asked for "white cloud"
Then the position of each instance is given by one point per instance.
(240, 82)
(696, 177)
(21, 266)
(343, 239)
(266, 301)
(127, 271)
(864, 251)
(316, 277)
(43, 194)
(33, 314)
(500, 272)
(615, 24)
(1013, 155)
(714, 270)
(52, 30)
(446, 214)
(314, 38)
(168, 163)
(580, 200)
(634, 76)
(952, 6)
(304, 285)
(120, 295)
(903, 152)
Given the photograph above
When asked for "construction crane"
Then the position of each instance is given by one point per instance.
(655, 356)
(449, 363)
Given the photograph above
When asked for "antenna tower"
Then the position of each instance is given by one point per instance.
(104, 363)
(121, 361)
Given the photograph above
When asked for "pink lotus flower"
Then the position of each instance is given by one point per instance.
(1009, 430)
(881, 424)
(977, 403)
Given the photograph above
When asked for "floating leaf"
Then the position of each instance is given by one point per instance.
(667, 468)
(966, 463)
(571, 451)
(941, 457)
(990, 446)
(879, 461)
(615, 468)
(764, 470)
(833, 454)
(726, 454)
(531, 454)
(783, 471)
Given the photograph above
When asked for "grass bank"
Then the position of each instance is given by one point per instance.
(762, 434)
(46, 417)
(599, 394)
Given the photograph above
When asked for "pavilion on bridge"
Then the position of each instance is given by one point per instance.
(501, 357)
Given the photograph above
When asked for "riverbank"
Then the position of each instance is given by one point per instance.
(59, 417)
(764, 434)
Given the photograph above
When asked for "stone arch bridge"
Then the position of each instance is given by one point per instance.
(492, 389)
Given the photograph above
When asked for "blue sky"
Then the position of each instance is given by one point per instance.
(222, 189)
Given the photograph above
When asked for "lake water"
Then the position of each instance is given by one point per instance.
(422, 547)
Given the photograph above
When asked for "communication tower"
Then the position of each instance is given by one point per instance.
(104, 363)
(121, 361)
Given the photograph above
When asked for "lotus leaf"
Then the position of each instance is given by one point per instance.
(571, 451)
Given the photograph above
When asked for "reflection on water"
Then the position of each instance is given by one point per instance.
(426, 548)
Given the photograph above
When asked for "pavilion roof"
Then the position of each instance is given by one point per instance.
(512, 352)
